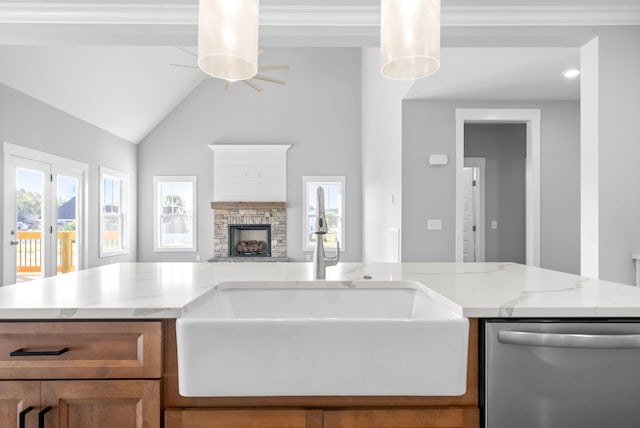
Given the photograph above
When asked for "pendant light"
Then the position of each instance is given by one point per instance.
(409, 38)
(228, 38)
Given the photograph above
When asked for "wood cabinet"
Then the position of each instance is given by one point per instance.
(108, 375)
(125, 375)
(318, 418)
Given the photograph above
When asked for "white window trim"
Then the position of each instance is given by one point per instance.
(325, 179)
(157, 179)
(104, 171)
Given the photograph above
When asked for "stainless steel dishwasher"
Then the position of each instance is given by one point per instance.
(562, 374)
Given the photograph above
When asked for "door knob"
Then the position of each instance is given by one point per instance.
(16, 242)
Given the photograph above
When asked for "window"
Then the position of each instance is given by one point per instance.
(175, 216)
(113, 212)
(334, 197)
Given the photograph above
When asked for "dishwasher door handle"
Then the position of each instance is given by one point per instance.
(570, 340)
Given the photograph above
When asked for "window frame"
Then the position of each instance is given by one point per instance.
(123, 177)
(157, 181)
(323, 180)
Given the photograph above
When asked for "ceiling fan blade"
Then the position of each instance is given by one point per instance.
(186, 51)
(269, 79)
(253, 85)
(201, 79)
(274, 67)
(184, 65)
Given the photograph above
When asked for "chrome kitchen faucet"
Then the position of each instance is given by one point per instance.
(320, 261)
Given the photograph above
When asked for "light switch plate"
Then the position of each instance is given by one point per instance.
(494, 224)
(434, 224)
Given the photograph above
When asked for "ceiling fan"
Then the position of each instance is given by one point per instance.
(249, 82)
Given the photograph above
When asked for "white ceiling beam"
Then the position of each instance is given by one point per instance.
(43, 23)
(316, 16)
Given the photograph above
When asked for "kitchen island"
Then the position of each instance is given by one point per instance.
(167, 290)
(110, 332)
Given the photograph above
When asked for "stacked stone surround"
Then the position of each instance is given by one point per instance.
(272, 213)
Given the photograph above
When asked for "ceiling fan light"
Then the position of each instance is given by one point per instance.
(409, 38)
(228, 38)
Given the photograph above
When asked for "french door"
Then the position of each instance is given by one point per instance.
(43, 215)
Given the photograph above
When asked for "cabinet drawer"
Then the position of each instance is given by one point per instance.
(405, 418)
(87, 350)
(242, 418)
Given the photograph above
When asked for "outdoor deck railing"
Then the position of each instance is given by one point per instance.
(28, 255)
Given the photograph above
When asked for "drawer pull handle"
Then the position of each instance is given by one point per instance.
(22, 353)
(41, 416)
(22, 416)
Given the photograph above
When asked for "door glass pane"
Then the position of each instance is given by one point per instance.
(67, 214)
(29, 242)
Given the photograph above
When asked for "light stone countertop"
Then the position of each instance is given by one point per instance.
(166, 290)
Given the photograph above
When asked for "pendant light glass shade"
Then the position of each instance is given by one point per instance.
(409, 38)
(228, 38)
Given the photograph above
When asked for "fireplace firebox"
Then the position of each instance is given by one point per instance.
(249, 240)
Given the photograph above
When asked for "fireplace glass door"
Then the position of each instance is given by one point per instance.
(249, 240)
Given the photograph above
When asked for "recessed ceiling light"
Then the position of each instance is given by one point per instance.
(571, 73)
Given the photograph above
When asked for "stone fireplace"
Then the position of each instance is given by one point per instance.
(249, 231)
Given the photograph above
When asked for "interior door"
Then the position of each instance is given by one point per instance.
(469, 217)
(27, 220)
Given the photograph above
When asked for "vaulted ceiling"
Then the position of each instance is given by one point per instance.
(108, 64)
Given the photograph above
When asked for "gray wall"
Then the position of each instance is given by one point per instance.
(381, 159)
(317, 111)
(504, 147)
(429, 193)
(618, 107)
(25, 121)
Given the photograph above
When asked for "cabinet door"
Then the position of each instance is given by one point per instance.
(17, 397)
(405, 418)
(242, 418)
(102, 404)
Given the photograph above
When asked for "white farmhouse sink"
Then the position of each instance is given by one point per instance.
(322, 338)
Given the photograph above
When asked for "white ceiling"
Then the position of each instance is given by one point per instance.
(501, 74)
(108, 63)
(126, 90)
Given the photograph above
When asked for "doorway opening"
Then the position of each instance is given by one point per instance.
(531, 119)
